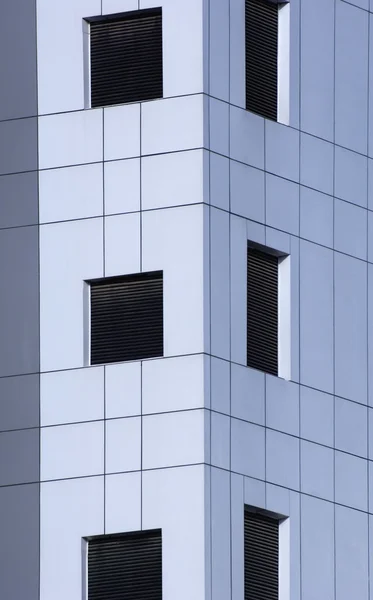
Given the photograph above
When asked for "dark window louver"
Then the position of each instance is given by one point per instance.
(126, 318)
(262, 311)
(126, 58)
(261, 557)
(261, 57)
(125, 567)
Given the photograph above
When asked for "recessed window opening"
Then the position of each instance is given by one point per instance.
(124, 566)
(266, 555)
(125, 58)
(268, 311)
(267, 32)
(126, 318)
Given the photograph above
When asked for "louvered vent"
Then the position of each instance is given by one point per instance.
(126, 58)
(261, 557)
(127, 318)
(261, 57)
(125, 567)
(262, 311)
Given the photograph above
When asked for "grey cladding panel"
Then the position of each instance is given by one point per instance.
(18, 146)
(19, 301)
(19, 535)
(19, 200)
(20, 457)
(18, 72)
(19, 402)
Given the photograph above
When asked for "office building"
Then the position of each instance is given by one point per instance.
(186, 302)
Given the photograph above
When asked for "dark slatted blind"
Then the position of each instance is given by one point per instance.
(262, 311)
(261, 57)
(126, 58)
(125, 567)
(127, 318)
(261, 557)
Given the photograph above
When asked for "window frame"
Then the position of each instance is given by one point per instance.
(283, 61)
(87, 309)
(283, 547)
(87, 21)
(127, 534)
(284, 303)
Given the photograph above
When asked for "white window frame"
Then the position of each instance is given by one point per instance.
(87, 62)
(283, 64)
(284, 317)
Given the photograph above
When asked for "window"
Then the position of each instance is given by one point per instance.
(267, 26)
(262, 310)
(126, 57)
(125, 566)
(261, 547)
(126, 318)
(261, 57)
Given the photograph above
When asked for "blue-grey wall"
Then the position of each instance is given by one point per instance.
(18, 68)
(301, 447)
(19, 304)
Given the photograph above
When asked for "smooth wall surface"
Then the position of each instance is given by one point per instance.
(19, 304)
(301, 446)
(123, 447)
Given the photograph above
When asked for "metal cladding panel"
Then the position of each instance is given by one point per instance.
(262, 311)
(261, 57)
(125, 567)
(126, 58)
(261, 557)
(127, 318)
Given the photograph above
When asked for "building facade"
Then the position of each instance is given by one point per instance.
(190, 440)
